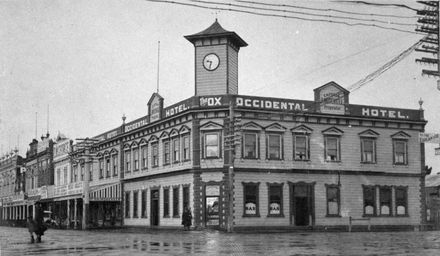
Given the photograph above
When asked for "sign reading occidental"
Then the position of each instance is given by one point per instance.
(274, 104)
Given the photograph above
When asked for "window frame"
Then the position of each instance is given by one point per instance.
(166, 151)
(127, 161)
(144, 201)
(115, 164)
(256, 146)
(307, 150)
(135, 203)
(186, 150)
(381, 200)
(166, 202)
(217, 145)
(144, 156)
(257, 198)
(338, 198)
(127, 204)
(107, 166)
(101, 168)
(373, 153)
(364, 189)
(405, 156)
(175, 145)
(279, 186)
(405, 201)
(135, 155)
(280, 148)
(176, 212)
(338, 148)
(155, 154)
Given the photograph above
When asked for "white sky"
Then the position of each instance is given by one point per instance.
(93, 61)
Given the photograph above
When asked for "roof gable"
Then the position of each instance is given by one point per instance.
(251, 126)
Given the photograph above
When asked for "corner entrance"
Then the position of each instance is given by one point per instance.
(154, 221)
(302, 204)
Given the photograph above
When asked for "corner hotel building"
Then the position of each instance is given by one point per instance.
(297, 163)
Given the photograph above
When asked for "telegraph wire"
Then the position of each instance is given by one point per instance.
(328, 10)
(281, 16)
(379, 5)
(303, 13)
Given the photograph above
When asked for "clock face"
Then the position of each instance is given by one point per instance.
(211, 61)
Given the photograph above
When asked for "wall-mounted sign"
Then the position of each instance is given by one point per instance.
(178, 108)
(155, 107)
(437, 151)
(331, 98)
(388, 113)
(429, 138)
(274, 104)
(213, 101)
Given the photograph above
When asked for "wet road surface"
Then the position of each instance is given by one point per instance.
(15, 241)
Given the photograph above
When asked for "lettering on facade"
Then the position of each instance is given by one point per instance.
(429, 138)
(384, 113)
(176, 110)
(210, 101)
(136, 125)
(332, 100)
(437, 151)
(270, 104)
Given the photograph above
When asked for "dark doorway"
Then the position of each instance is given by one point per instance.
(302, 212)
(154, 208)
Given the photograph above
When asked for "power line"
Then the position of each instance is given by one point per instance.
(329, 10)
(303, 13)
(379, 5)
(281, 16)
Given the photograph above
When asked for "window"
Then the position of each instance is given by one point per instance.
(65, 175)
(58, 176)
(135, 204)
(186, 147)
(144, 203)
(401, 201)
(369, 200)
(166, 202)
(275, 199)
(127, 204)
(115, 164)
(166, 152)
(185, 196)
(144, 157)
(368, 150)
(176, 150)
(155, 155)
(274, 146)
(333, 200)
(136, 159)
(212, 145)
(332, 148)
(101, 168)
(400, 148)
(91, 171)
(176, 202)
(385, 201)
(82, 172)
(250, 199)
(301, 147)
(250, 147)
(107, 167)
(127, 161)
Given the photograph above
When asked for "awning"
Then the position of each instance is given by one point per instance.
(109, 192)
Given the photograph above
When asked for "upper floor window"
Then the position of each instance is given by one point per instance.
(400, 148)
(127, 161)
(368, 150)
(136, 159)
(185, 143)
(301, 142)
(212, 145)
(176, 150)
(101, 168)
(144, 151)
(166, 152)
(274, 147)
(155, 154)
(82, 172)
(250, 145)
(115, 164)
(332, 148)
(107, 167)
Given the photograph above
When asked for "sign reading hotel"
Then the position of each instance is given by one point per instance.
(388, 113)
(178, 107)
(331, 98)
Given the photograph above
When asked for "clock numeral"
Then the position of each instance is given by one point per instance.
(210, 63)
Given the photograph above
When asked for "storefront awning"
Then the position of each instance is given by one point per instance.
(109, 192)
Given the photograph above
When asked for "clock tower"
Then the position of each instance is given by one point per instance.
(216, 60)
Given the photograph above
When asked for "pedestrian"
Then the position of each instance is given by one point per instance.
(39, 227)
(186, 218)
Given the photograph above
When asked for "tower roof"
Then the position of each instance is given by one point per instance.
(216, 30)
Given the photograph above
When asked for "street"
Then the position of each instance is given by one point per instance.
(15, 241)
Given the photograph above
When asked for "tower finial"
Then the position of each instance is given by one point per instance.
(421, 103)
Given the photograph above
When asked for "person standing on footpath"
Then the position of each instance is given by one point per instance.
(186, 218)
(36, 225)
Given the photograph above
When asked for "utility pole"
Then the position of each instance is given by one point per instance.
(429, 25)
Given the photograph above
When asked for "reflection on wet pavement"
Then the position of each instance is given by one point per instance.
(15, 241)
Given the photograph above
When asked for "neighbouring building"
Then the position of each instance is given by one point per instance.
(433, 200)
(12, 188)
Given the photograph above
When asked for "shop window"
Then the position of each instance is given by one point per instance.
(176, 150)
(101, 168)
(144, 203)
(250, 147)
(250, 199)
(127, 204)
(186, 196)
(144, 152)
(333, 200)
(275, 206)
(211, 145)
(301, 147)
(368, 150)
(176, 202)
(127, 161)
(155, 156)
(369, 200)
(274, 146)
(115, 164)
(136, 159)
(400, 148)
(401, 201)
(186, 147)
(166, 152)
(166, 202)
(332, 148)
(107, 167)
(135, 204)
(385, 201)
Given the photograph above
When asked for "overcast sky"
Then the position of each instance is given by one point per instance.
(93, 61)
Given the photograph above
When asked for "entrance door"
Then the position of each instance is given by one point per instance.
(212, 204)
(154, 208)
(301, 202)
